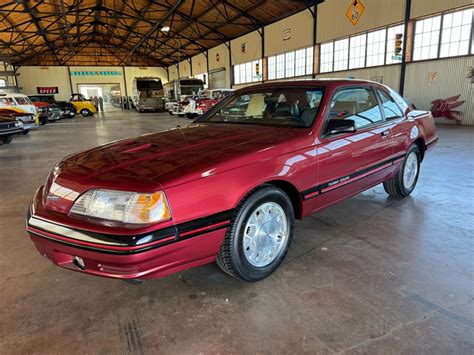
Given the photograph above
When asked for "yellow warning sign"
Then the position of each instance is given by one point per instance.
(355, 10)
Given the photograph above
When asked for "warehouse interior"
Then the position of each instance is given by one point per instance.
(372, 274)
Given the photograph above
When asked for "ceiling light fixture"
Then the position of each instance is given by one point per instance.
(165, 29)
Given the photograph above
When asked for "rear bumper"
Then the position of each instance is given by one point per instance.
(152, 255)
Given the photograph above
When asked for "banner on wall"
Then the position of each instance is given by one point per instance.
(47, 89)
(96, 73)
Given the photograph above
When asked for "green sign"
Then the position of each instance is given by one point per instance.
(96, 73)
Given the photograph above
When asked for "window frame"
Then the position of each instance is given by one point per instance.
(271, 76)
(324, 136)
(366, 35)
(379, 99)
(470, 51)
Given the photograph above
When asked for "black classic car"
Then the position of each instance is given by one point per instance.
(62, 108)
(9, 126)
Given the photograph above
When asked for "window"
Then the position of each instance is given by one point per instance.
(358, 104)
(271, 68)
(376, 48)
(21, 100)
(456, 33)
(394, 52)
(273, 107)
(341, 54)
(389, 107)
(247, 72)
(357, 51)
(291, 64)
(309, 60)
(326, 57)
(280, 67)
(3, 82)
(6, 101)
(300, 62)
(427, 38)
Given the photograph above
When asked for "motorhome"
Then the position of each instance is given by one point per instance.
(148, 94)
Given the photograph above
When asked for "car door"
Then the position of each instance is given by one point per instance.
(395, 111)
(352, 162)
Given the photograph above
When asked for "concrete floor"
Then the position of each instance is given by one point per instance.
(371, 275)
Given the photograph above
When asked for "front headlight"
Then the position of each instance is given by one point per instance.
(18, 123)
(122, 206)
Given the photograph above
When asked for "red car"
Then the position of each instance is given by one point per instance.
(229, 187)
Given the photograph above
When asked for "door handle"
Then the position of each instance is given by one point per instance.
(385, 133)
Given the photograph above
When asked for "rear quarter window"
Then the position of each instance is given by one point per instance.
(6, 101)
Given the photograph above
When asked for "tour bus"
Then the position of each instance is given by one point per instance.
(180, 89)
(148, 94)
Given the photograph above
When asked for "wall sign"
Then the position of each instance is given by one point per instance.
(355, 10)
(243, 47)
(96, 73)
(287, 34)
(47, 89)
(432, 78)
(218, 57)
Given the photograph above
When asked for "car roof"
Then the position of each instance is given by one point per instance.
(11, 94)
(313, 82)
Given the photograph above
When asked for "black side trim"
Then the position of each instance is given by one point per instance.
(319, 188)
(434, 141)
(137, 240)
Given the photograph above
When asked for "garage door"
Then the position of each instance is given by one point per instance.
(217, 79)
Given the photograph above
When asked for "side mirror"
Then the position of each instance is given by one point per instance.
(336, 126)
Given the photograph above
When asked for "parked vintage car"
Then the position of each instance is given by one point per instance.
(208, 99)
(82, 105)
(59, 109)
(9, 126)
(21, 103)
(228, 187)
(44, 113)
(28, 120)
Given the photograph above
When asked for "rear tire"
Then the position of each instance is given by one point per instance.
(85, 112)
(404, 182)
(259, 235)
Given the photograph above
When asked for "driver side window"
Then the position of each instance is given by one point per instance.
(357, 104)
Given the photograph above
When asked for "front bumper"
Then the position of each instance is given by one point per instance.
(160, 253)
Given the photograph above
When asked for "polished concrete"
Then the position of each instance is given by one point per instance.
(370, 275)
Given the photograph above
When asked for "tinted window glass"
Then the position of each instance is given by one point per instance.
(390, 108)
(6, 101)
(21, 100)
(398, 99)
(358, 104)
(275, 107)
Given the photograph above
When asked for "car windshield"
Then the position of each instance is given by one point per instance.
(21, 100)
(274, 107)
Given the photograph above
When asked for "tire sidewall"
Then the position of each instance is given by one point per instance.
(85, 112)
(407, 191)
(247, 270)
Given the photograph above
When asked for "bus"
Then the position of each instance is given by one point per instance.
(180, 89)
(148, 94)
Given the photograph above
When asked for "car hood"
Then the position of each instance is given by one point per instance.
(184, 150)
(161, 160)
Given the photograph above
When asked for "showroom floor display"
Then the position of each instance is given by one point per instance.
(372, 274)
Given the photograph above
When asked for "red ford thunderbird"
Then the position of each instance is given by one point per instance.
(229, 187)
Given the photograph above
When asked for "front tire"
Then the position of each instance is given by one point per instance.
(25, 131)
(259, 235)
(404, 182)
(6, 139)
